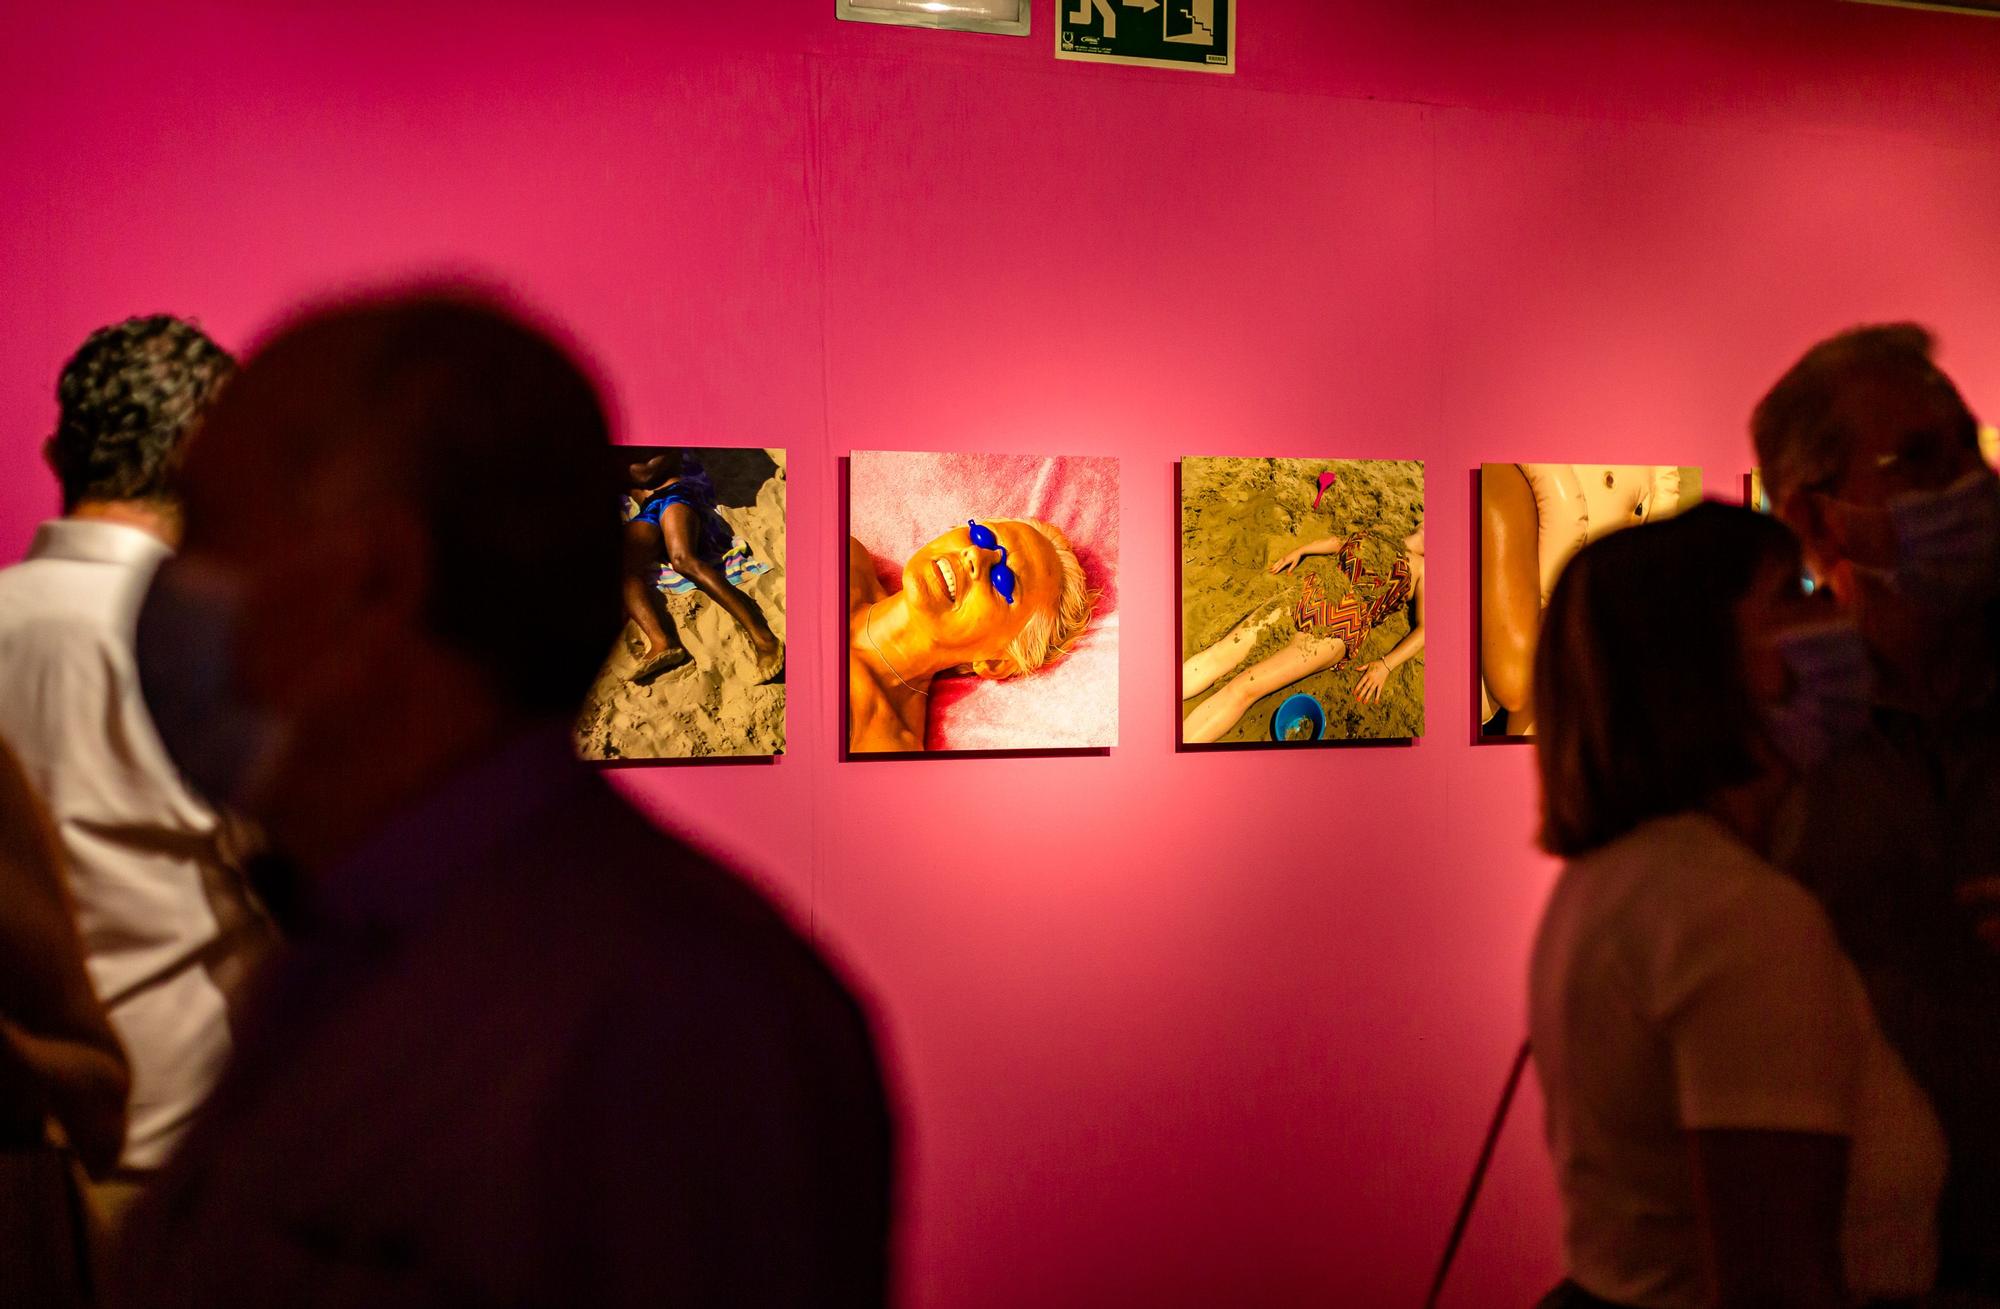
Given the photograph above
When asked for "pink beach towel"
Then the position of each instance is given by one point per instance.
(899, 501)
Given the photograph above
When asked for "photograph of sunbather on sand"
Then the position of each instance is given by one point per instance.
(982, 602)
(1302, 600)
(699, 669)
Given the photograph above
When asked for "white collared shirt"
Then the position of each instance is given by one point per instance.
(150, 895)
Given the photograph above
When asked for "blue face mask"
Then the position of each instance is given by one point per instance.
(1947, 544)
(1000, 574)
(1832, 685)
(224, 745)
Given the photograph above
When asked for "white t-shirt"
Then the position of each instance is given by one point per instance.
(1681, 983)
(160, 920)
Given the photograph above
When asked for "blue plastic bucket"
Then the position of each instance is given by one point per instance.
(1296, 708)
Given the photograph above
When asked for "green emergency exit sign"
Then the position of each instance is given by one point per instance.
(1194, 34)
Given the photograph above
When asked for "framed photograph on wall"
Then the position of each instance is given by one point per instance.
(982, 602)
(1533, 518)
(698, 671)
(1302, 600)
(1005, 17)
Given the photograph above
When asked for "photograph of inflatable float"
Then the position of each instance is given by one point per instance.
(1302, 600)
(982, 602)
(1533, 520)
(699, 668)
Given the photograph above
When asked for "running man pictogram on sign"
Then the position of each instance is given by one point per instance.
(1196, 34)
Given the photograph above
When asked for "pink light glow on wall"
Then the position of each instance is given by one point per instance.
(1171, 1029)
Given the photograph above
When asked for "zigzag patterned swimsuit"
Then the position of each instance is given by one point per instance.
(1351, 617)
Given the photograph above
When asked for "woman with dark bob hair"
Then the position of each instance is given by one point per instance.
(1728, 1125)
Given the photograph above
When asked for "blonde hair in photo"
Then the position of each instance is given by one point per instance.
(1049, 636)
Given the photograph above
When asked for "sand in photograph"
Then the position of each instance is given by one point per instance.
(713, 706)
(1238, 516)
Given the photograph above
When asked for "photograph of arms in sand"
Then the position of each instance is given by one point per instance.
(699, 669)
(1302, 600)
(1533, 518)
(981, 602)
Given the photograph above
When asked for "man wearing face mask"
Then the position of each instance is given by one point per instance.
(524, 1048)
(166, 928)
(1872, 457)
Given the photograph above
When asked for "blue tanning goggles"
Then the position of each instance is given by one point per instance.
(1001, 575)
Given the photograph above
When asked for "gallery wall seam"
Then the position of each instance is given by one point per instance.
(826, 467)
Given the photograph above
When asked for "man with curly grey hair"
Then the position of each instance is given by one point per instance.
(165, 927)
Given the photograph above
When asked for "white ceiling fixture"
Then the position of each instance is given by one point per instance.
(1007, 17)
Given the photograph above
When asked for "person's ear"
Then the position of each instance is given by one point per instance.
(995, 669)
(52, 456)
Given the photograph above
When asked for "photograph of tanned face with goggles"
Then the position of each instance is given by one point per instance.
(982, 602)
(1533, 518)
(1302, 600)
(700, 668)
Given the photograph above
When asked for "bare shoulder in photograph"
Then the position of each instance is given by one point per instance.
(981, 603)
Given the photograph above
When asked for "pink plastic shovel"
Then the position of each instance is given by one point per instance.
(1326, 479)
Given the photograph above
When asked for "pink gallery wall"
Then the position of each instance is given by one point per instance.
(1170, 1028)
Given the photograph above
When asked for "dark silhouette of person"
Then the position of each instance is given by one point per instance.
(169, 930)
(1871, 455)
(525, 1048)
(59, 1063)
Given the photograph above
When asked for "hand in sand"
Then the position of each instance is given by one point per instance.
(1373, 679)
(1288, 563)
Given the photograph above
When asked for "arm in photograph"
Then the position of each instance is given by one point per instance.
(1412, 643)
(1326, 545)
(1375, 677)
(863, 587)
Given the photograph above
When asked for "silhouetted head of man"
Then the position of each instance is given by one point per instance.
(129, 398)
(398, 554)
(1871, 456)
